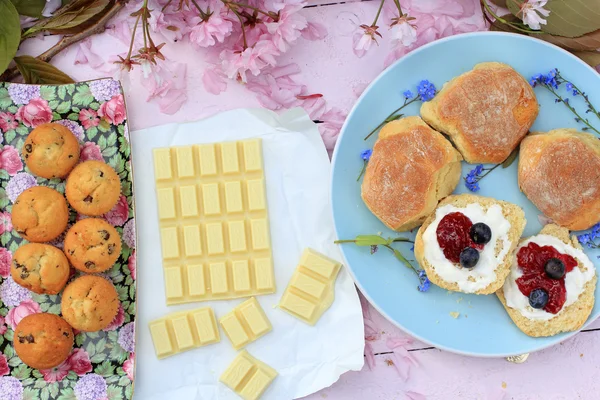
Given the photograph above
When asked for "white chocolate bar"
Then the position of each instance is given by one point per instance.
(247, 376)
(245, 323)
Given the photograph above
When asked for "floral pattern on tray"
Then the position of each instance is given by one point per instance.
(101, 365)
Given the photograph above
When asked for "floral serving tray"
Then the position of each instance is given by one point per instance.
(102, 363)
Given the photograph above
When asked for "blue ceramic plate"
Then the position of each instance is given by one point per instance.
(483, 327)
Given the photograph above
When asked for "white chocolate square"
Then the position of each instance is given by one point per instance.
(185, 162)
(162, 164)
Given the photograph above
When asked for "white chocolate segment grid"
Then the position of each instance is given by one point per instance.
(245, 323)
(311, 290)
(184, 331)
(213, 220)
(247, 376)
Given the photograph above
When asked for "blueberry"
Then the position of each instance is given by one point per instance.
(538, 298)
(480, 233)
(555, 268)
(469, 257)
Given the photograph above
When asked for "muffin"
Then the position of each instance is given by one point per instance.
(93, 188)
(558, 172)
(41, 268)
(412, 167)
(89, 303)
(40, 214)
(486, 112)
(92, 245)
(43, 340)
(51, 151)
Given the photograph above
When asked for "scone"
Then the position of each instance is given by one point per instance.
(486, 112)
(412, 167)
(51, 151)
(43, 340)
(551, 284)
(92, 245)
(40, 214)
(467, 244)
(559, 173)
(41, 268)
(89, 303)
(93, 188)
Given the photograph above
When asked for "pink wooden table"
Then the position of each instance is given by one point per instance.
(566, 371)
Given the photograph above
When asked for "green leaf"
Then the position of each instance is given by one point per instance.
(48, 92)
(13, 109)
(93, 335)
(70, 19)
(102, 142)
(91, 349)
(62, 92)
(83, 96)
(54, 309)
(91, 133)
(30, 8)
(587, 42)
(95, 105)
(570, 18)
(9, 352)
(73, 116)
(53, 388)
(114, 393)
(23, 131)
(5, 237)
(124, 381)
(30, 394)
(105, 369)
(98, 358)
(5, 99)
(45, 393)
(63, 107)
(122, 291)
(3, 198)
(10, 33)
(112, 139)
(109, 151)
(511, 158)
(67, 394)
(132, 291)
(367, 240)
(53, 104)
(500, 3)
(100, 345)
(79, 340)
(10, 136)
(129, 391)
(402, 259)
(590, 57)
(40, 383)
(40, 72)
(104, 125)
(21, 372)
(13, 247)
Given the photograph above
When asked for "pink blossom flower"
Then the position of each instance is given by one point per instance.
(79, 362)
(403, 32)
(364, 38)
(131, 265)
(88, 118)
(5, 261)
(167, 86)
(10, 160)
(331, 126)
(207, 33)
(85, 55)
(4, 370)
(278, 5)
(57, 373)
(285, 31)
(530, 10)
(128, 366)
(3, 327)
(113, 110)
(237, 63)
(25, 308)
(5, 222)
(119, 213)
(90, 151)
(403, 359)
(213, 80)
(117, 321)
(314, 31)
(7, 122)
(35, 113)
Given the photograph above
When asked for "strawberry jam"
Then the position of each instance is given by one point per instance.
(453, 235)
(532, 260)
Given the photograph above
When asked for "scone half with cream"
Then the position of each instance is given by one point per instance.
(467, 244)
(412, 167)
(551, 284)
(486, 112)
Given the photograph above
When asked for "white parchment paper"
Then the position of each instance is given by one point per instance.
(297, 172)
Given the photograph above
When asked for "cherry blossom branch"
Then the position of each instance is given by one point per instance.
(67, 41)
(517, 26)
(228, 4)
(378, 13)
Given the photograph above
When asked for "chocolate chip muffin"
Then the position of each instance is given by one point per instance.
(51, 151)
(93, 188)
(41, 268)
(40, 214)
(89, 303)
(43, 340)
(92, 245)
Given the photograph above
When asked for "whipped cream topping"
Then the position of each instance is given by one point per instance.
(484, 273)
(574, 281)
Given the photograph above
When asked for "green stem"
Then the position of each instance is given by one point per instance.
(137, 20)
(203, 15)
(399, 7)
(400, 257)
(581, 119)
(513, 25)
(585, 97)
(245, 5)
(362, 171)
(243, 29)
(385, 121)
(378, 13)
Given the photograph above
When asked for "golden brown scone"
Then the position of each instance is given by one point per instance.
(40, 214)
(92, 245)
(41, 268)
(571, 317)
(502, 253)
(486, 112)
(93, 188)
(89, 303)
(43, 340)
(51, 151)
(412, 167)
(558, 172)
